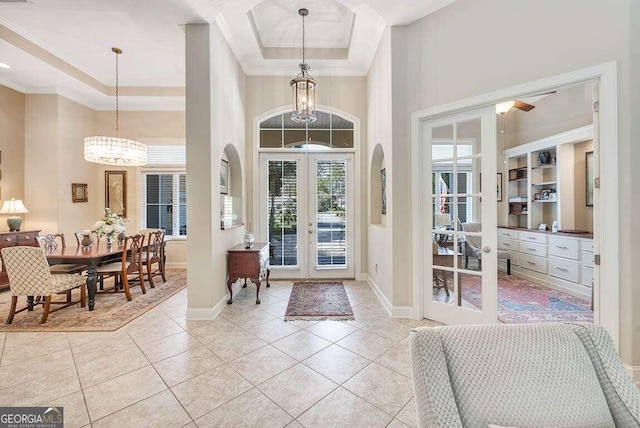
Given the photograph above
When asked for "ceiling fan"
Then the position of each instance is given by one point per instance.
(505, 107)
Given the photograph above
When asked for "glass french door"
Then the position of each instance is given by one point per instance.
(306, 214)
(459, 192)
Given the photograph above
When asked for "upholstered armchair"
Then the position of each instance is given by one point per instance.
(473, 247)
(521, 375)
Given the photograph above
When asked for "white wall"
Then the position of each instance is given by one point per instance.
(470, 48)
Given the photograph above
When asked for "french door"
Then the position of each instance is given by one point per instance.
(307, 214)
(459, 213)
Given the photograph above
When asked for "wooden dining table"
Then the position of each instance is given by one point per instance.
(91, 257)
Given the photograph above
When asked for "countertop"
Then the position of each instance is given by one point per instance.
(575, 235)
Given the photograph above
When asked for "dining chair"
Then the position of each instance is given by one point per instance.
(131, 264)
(52, 242)
(155, 255)
(473, 246)
(29, 275)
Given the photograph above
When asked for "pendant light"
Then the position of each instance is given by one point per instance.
(303, 87)
(115, 150)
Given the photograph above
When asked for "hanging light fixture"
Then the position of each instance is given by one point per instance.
(115, 150)
(303, 87)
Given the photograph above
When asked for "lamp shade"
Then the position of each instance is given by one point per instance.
(14, 206)
(442, 220)
(503, 108)
(115, 151)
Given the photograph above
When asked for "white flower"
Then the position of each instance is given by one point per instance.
(107, 229)
(118, 228)
(98, 224)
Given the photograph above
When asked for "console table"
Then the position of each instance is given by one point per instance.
(252, 263)
(12, 239)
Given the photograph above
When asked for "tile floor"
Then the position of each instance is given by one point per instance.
(246, 368)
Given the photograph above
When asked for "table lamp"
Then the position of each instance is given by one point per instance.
(14, 207)
(442, 220)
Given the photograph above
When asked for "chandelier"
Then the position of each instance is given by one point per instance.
(115, 150)
(303, 87)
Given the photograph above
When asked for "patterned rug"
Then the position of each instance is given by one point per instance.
(112, 310)
(522, 301)
(319, 301)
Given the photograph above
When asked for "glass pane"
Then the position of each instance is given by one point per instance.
(282, 207)
(338, 122)
(331, 225)
(153, 189)
(271, 139)
(323, 121)
(294, 137)
(469, 138)
(153, 216)
(470, 289)
(183, 189)
(182, 220)
(342, 139)
(272, 123)
(166, 189)
(319, 137)
(290, 124)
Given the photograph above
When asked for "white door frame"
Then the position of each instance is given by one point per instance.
(606, 307)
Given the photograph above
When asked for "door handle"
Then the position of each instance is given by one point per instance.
(310, 230)
(486, 250)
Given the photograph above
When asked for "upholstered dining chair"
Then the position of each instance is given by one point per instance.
(52, 242)
(155, 255)
(473, 247)
(520, 375)
(131, 264)
(29, 275)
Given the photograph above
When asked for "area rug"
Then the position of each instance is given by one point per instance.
(112, 310)
(523, 301)
(315, 301)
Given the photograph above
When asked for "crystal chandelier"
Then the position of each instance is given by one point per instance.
(115, 150)
(304, 88)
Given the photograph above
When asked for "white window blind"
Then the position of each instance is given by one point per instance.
(163, 197)
(166, 155)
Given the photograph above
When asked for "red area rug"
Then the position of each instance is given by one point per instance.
(521, 301)
(318, 301)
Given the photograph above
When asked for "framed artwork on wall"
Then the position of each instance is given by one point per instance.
(383, 178)
(499, 186)
(589, 179)
(115, 192)
(224, 177)
(79, 192)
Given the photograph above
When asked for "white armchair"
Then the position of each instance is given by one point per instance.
(521, 375)
(473, 244)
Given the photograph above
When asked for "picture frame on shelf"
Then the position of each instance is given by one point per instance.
(499, 186)
(589, 179)
(115, 192)
(79, 192)
(224, 177)
(537, 196)
(542, 226)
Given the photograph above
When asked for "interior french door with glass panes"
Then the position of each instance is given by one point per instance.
(306, 214)
(460, 217)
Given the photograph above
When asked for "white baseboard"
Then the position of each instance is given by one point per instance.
(176, 265)
(394, 311)
(634, 374)
(195, 314)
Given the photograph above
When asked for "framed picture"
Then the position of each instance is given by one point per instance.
(589, 178)
(224, 177)
(542, 226)
(79, 192)
(383, 178)
(115, 192)
(499, 186)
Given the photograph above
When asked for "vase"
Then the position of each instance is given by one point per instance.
(121, 237)
(87, 241)
(544, 158)
(248, 240)
(109, 241)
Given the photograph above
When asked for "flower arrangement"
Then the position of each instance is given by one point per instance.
(111, 225)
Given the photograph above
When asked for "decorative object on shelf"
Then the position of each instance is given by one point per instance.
(79, 192)
(553, 195)
(499, 187)
(554, 226)
(14, 206)
(383, 182)
(111, 225)
(537, 196)
(87, 240)
(248, 240)
(542, 226)
(224, 177)
(115, 192)
(589, 178)
(544, 194)
(544, 158)
(115, 150)
(303, 87)
(517, 173)
(515, 209)
(554, 158)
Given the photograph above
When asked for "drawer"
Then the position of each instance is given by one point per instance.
(539, 238)
(539, 264)
(586, 258)
(507, 233)
(564, 269)
(533, 249)
(586, 245)
(564, 247)
(586, 277)
(507, 244)
(514, 259)
(9, 238)
(29, 239)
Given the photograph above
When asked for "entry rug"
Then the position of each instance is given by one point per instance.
(523, 301)
(316, 301)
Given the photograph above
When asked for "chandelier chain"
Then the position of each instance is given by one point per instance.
(303, 39)
(117, 101)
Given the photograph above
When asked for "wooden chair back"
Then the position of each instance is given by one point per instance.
(132, 253)
(155, 248)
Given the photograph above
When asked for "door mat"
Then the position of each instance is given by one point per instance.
(316, 301)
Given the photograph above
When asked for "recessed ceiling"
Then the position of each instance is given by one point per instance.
(64, 46)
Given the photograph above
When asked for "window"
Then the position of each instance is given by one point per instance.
(164, 198)
(330, 131)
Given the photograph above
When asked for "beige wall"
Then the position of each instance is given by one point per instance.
(379, 121)
(12, 120)
(346, 94)
(583, 213)
(462, 51)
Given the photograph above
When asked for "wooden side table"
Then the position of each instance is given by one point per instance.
(252, 263)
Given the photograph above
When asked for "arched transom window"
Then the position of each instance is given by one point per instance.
(330, 131)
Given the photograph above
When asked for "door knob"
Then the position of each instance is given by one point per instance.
(310, 230)
(486, 250)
